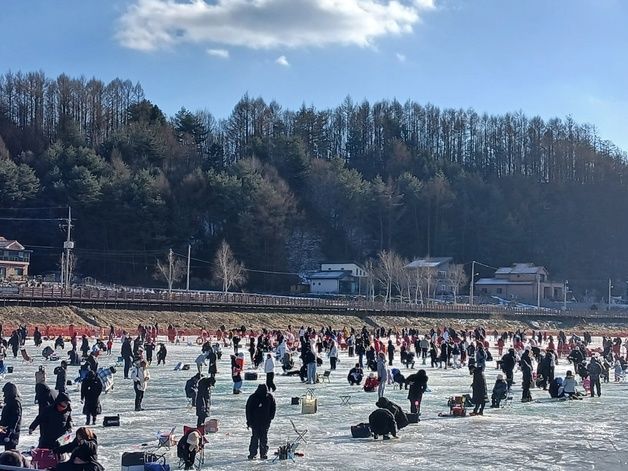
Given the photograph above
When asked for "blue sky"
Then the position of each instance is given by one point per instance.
(544, 57)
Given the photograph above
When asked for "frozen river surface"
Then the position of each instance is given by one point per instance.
(544, 434)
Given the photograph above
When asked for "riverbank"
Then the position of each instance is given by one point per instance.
(96, 319)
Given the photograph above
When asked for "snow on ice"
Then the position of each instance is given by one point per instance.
(544, 434)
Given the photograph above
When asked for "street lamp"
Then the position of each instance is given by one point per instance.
(565, 295)
(610, 287)
(473, 273)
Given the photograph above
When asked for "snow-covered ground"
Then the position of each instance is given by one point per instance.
(544, 434)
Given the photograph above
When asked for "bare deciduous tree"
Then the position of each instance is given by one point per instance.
(171, 270)
(371, 277)
(389, 267)
(457, 279)
(422, 283)
(227, 269)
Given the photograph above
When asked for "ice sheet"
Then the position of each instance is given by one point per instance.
(584, 434)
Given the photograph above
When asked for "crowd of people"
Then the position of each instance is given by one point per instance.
(300, 352)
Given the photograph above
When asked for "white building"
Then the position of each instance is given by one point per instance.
(337, 278)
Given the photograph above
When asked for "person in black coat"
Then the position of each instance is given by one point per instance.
(149, 348)
(382, 422)
(55, 421)
(37, 337)
(126, 353)
(400, 417)
(260, 411)
(92, 362)
(44, 396)
(355, 375)
(191, 388)
(526, 369)
(445, 352)
(508, 365)
(91, 389)
(61, 372)
(14, 342)
(84, 346)
(480, 392)
(11, 418)
(203, 399)
(418, 385)
(84, 452)
(161, 354)
(211, 361)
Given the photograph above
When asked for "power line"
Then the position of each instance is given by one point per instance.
(245, 269)
(33, 209)
(32, 219)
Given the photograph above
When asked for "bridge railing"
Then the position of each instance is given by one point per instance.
(84, 294)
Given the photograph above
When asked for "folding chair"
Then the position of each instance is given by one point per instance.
(300, 433)
(326, 375)
(344, 400)
(166, 439)
(288, 451)
(200, 454)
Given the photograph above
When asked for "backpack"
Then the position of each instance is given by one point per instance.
(182, 447)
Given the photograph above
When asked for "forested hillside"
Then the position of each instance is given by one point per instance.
(288, 188)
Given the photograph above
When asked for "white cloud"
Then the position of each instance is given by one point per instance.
(283, 61)
(221, 53)
(264, 24)
(400, 57)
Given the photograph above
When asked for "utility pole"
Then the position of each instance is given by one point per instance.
(472, 282)
(170, 256)
(187, 284)
(68, 245)
(62, 269)
(538, 291)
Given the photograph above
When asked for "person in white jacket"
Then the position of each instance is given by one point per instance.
(201, 361)
(269, 369)
(333, 355)
(281, 349)
(140, 377)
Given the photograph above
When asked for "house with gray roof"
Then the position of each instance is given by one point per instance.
(521, 282)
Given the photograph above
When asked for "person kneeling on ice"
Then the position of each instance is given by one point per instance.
(382, 422)
(499, 391)
(84, 452)
(569, 387)
(400, 417)
(187, 447)
(398, 378)
(355, 375)
(371, 383)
